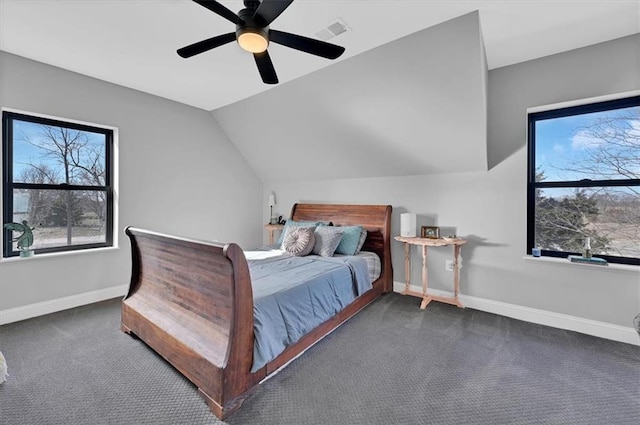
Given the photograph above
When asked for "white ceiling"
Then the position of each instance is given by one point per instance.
(133, 42)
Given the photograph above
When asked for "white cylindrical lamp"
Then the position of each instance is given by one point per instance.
(408, 225)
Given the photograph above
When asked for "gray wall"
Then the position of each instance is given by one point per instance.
(179, 174)
(601, 69)
(490, 207)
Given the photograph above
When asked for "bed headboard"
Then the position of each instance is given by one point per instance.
(376, 219)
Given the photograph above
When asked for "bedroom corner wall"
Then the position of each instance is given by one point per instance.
(178, 174)
(489, 207)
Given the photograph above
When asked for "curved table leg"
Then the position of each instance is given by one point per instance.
(407, 267)
(426, 299)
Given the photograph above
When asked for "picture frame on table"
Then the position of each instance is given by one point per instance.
(430, 232)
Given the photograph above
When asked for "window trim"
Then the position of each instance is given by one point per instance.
(563, 110)
(8, 185)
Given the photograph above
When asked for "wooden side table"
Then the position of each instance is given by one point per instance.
(272, 228)
(425, 243)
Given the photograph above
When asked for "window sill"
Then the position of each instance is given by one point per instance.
(614, 267)
(58, 255)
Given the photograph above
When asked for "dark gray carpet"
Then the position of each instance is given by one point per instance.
(391, 364)
(77, 367)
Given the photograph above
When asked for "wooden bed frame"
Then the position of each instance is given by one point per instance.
(191, 301)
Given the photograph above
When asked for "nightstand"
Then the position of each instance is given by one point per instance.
(272, 228)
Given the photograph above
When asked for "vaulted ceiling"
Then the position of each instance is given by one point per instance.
(416, 105)
(133, 43)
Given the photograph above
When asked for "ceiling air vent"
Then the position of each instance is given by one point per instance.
(335, 28)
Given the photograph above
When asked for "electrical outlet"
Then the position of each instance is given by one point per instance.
(448, 265)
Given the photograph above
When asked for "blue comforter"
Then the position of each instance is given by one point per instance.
(292, 295)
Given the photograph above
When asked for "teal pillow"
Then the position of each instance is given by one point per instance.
(350, 240)
(290, 223)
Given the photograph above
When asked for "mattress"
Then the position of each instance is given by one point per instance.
(293, 295)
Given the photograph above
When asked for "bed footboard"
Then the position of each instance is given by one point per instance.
(191, 301)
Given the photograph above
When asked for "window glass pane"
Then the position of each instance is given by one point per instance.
(597, 146)
(50, 154)
(608, 215)
(61, 218)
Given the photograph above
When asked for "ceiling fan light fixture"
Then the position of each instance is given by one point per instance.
(252, 40)
(253, 35)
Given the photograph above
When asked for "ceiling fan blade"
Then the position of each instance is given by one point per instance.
(269, 10)
(305, 44)
(219, 9)
(265, 67)
(208, 44)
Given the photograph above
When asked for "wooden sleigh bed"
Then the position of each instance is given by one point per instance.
(192, 302)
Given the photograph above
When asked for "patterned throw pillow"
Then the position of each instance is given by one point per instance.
(299, 241)
(363, 237)
(350, 239)
(327, 240)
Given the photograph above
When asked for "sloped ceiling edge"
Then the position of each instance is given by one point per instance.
(414, 106)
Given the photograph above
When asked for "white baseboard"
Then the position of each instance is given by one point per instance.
(11, 315)
(562, 321)
(541, 317)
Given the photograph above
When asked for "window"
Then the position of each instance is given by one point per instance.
(584, 180)
(57, 176)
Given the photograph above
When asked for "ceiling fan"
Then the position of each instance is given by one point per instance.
(253, 35)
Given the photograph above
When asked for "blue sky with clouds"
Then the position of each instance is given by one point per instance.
(563, 142)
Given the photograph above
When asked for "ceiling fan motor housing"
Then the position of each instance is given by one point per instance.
(252, 4)
(253, 26)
